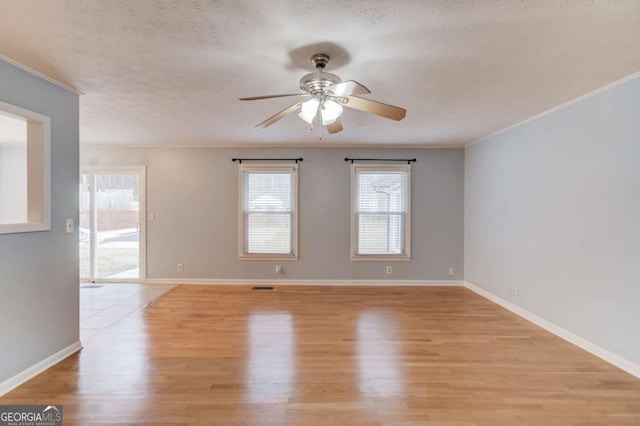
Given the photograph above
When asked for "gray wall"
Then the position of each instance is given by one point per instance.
(39, 270)
(552, 208)
(193, 193)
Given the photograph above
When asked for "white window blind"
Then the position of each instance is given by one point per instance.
(269, 222)
(380, 217)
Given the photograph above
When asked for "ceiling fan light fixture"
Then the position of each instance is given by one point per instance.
(309, 110)
(327, 93)
(330, 112)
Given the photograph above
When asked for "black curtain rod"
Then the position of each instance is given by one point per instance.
(408, 160)
(240, 160)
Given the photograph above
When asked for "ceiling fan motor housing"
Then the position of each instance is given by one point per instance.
(316, 82)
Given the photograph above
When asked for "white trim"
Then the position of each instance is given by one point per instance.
(112, 169)
(380, 146)
(46, 172)
(142, 243)
(17, 228)
(373, 167)
(12, 144)
(604, 354)
(293, 282)
(380, 258)
(557, 108)
(28, 374)
(278, 257)
(241, 145)
(141, 171)
(41, 75)
(38, 178)
(114, 280)
(275, 167)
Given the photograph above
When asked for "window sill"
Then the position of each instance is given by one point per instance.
(267, 257)
(16, 228)
(381, 257)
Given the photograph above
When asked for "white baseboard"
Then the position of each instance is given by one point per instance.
(34, 370)
(610, 357)
(360, 283)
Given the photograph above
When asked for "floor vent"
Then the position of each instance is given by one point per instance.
(91, 286)
(262, 288)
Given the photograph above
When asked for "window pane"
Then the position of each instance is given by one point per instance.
(117, 203)
(268, 191)
(381, 192)
(268, 233)
(381, 234)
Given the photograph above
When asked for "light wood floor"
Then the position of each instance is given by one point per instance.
(332, 356)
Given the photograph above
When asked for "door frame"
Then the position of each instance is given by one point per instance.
(141, 171)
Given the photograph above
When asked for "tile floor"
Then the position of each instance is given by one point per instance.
(104, 304)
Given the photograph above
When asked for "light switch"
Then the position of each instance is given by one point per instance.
(69, 226)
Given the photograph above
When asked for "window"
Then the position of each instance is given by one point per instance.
(380, 212)
(269, 222)
(24, 170)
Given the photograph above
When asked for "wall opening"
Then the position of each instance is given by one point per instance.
(24, 170)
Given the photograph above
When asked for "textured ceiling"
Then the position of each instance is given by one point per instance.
(171, 71)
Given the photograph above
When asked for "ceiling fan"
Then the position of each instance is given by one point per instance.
(327, 94)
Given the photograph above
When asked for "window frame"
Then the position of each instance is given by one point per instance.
(406, 256)
(295, 216)
(38, 178)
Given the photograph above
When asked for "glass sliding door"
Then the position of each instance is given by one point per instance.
(112, 224)
(84, 227)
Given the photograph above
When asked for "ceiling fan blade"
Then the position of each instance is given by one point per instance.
(334, 127)
(255, 98)
(346, 88)
(374, 107)
(269, 121)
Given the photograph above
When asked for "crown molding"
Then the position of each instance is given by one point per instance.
(266, 145)
(41, 75)
(558, 108)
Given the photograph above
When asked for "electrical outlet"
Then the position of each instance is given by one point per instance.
(69, 226)
(452, 271)
(152, 216)
(389, 270)
(180, 267)
(278, 269)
